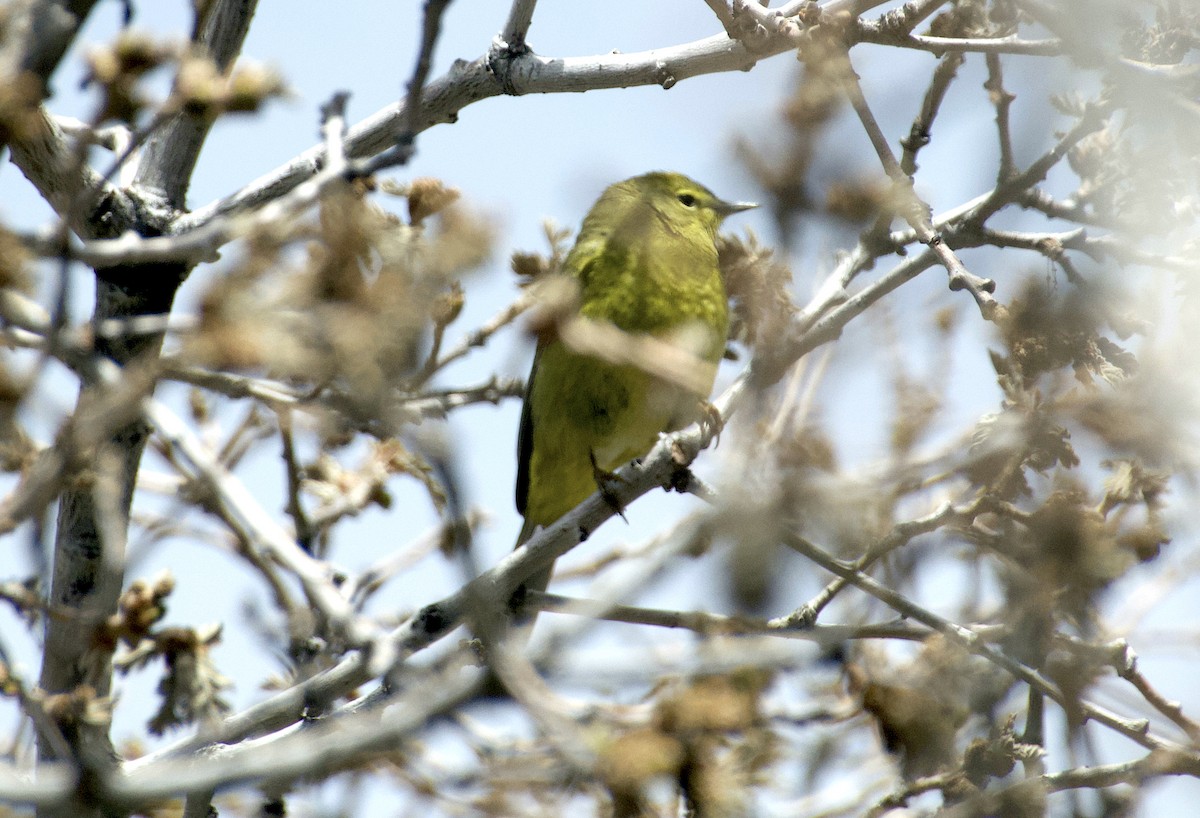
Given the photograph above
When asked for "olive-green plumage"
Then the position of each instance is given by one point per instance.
(646, 261)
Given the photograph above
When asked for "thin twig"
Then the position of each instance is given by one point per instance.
(260, 529)
(714, 624)
(476, 338)
(410, 125)
(915, 211)
(1002, 101)
(900, 535)
(921, 132)
(1094, 118)
(1127, 669)
(1137, 731)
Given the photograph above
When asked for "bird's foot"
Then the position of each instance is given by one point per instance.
(711, 421)
(607, 482)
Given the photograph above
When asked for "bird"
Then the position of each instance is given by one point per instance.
(645, 261)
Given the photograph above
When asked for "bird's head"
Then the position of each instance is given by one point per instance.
(684, 202)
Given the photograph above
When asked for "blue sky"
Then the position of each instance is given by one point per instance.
(525, 159)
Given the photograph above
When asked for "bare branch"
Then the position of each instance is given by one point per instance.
(318, 579)
(1002, 100)
(406, 135)
(717, 624)
(477, 338)
(921, 132)
(516, 27)
(49, 161)
(1127, 669)
(915, 211)
(1135, 730)
(486, 77)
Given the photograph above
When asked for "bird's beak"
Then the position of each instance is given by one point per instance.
(729, 208)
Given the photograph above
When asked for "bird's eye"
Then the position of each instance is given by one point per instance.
(687, 199)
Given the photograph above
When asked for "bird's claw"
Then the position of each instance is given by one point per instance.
(711, 421)
(607, 482)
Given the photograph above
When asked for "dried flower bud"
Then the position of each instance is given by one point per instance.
(251, 86)
(448, 305)
(428, 196)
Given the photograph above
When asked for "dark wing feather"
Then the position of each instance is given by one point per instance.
(525, 438)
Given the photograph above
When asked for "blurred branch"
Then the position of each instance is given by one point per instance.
(900, 535)
(130, 248)
(305, 535)
(92, 523)
(910, 15)
(375, 576)
(70, 186)
(705, 656)
(333, 129)
(823, 318)
(202, 243)
(170, 156)
(410, 125)
(439, 402)
(35, 36)
(285, 756)
(440, 618)
(233, 385)
(1137, 731)
(476, 338)
(1134, 773)
(259, 528)
(870, 32)
(1093, 118)
(423, 403)
(711, 624)
(431, 26)
(1069, 209)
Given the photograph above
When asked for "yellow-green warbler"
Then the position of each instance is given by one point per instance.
(645, 261)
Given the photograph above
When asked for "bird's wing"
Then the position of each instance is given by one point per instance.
(588, 248)
(525, 437)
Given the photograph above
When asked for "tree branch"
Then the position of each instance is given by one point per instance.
(35, 36)
(1135, 730)
(516, 27)
(171, 153)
